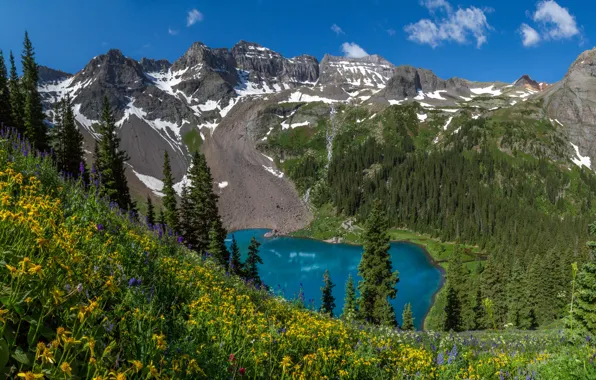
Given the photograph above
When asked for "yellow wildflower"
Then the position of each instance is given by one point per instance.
(30, 375)
(65, 367)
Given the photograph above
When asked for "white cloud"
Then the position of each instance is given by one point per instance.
(336, 29)
(458, 26)
(391, 32)
(530, 36)
(433, 5)
(193, 17)
(172, 32)
(352, 50)
(557, 21)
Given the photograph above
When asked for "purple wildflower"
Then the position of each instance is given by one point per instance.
(440, 359)
(81, 167)
(100, 227)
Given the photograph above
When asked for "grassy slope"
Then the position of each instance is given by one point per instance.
(88, 293)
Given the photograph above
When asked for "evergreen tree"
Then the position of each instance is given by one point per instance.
(350, 310)
(67, 139)
(479, 312)
(582, 320)
(379, 282)
(516, 296)
(150, 212)
(327, 299)
(161, 218)
(169, 198)
(202, 215)
(452, 311)
(5, 113)
(110, 160)
(532, 320)
(215, 246)
(251, 271)
(185, 218)
(16, 97)
(235, 259)
(407, 318)
(33, 116)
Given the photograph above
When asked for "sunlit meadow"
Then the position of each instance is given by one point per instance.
(89, 292)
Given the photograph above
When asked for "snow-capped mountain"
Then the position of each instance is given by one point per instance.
(219, 100)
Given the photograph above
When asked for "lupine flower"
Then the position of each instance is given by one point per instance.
(440, 359)
(100, 227)
(82, 167)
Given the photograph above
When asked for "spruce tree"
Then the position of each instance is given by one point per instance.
(215, 248)
(185, 218)
(452, 311)
(169, 198)
(235, 259)
(150, 212)
(516, 296)
(407, 318)
(327, 299)
(5, 114)
(16, 97)
(33, 116)
(203, 215)
(109, 160)
(251, 271)
(379, 282)
(161, 218)
(67, 139)
(479, 312)
(350, 310)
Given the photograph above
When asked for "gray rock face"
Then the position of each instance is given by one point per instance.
(369, 71)
(47, 74)
(155, 65)
(266, 69)
(572, 102)
(408, 81)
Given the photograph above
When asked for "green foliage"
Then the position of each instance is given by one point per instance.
(236, 264)
(150, 212)
(33, 116)
(251, 269)
(453, 320)
(327, 299)
(67, 140)
(169, 199)
(407, 318)
(379, 282)
(16, 97)
(583, 318)
(110, 159)
(5, 112)
(192, 139)
(350, 310)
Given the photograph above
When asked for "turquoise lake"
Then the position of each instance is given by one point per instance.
(289, 262)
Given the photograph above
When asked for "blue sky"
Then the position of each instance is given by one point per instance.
(478, 40)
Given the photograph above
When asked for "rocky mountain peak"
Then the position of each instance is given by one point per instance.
(585, 63)
(369, 71)
(155, 65)
(527, 82)
(47, 74)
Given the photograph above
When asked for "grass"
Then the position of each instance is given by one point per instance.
(192, 139)
(90, 293)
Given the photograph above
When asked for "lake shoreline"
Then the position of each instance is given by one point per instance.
(429, 257)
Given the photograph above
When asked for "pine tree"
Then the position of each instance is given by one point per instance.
(251, 271)
(16, 97)
(110, 160)
(161, 218)
(5, 113)
(532, 320)
(452, 311)
(33, 116)
(235, 259)
(349, 313)
(379, 282)
(169, 199)
(327, 299)
(150, 212)
(67, 140)
(479, 312)
(407, 318)
(185, 218)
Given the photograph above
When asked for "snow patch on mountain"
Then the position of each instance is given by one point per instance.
(580, 160)
(152, 183)
(491, 90)
(273, 171)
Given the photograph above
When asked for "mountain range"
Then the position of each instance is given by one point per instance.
(227, 102)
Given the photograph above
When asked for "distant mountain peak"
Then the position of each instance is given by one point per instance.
(527, 82)
(47, 74)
